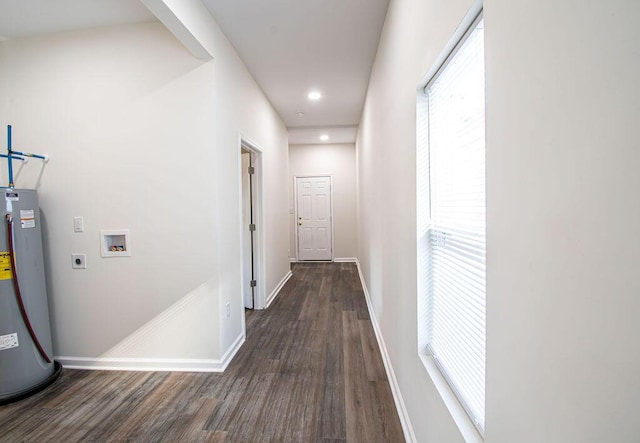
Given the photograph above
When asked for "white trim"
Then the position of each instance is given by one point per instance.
(407, 429)
(315, 261)
(233, 350)
(346, 260)
(460, 417)
(295, 217)
(275, 292)
(452, 44)
(259, 249)
(293, 260)
(154, 364)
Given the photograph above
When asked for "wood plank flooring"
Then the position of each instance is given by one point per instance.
(310, 371)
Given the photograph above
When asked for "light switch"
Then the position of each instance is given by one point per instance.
(78, 224)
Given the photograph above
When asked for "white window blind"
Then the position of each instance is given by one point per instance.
(456, 239)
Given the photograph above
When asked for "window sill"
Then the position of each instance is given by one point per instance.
(459, 415)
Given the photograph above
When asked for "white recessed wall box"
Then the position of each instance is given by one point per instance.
(115, 243)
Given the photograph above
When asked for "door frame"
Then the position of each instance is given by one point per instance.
(258, 218)
(295, 216)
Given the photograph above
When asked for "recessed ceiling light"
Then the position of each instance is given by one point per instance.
(314, 95)
(324, 137)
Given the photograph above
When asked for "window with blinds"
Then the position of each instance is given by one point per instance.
(452, 244)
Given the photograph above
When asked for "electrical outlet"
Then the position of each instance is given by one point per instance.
(227, 311)
(78, 261)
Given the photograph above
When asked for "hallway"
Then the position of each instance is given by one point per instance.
(310, 371)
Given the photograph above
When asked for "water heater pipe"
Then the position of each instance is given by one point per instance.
(16, 287)
(9, 159)
(18, 156)
(44, 158)
(15, 157)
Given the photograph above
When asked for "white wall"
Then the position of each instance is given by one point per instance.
(563, 107)
(562, 160)
(143, 136)
(413, 34)
(338, 160)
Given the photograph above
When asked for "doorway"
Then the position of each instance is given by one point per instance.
(314, 218)
(251, 228)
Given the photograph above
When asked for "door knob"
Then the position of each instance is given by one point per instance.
(299, 223)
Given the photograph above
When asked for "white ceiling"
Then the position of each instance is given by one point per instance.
(290, 47)
(293, 46)
(25, 18)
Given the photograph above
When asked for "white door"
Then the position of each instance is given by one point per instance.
(314, 218)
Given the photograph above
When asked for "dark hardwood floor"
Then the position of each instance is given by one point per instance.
(310, 371)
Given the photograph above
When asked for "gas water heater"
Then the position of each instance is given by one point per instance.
(26, 358)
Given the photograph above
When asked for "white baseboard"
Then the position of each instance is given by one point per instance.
(233, 349)
(154, 364)
(407, 429)
(275, 292)
(335, 260)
